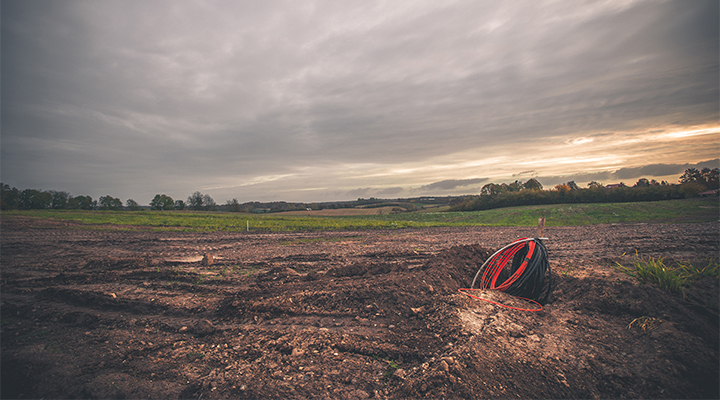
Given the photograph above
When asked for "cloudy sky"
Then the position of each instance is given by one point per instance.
(336, 100)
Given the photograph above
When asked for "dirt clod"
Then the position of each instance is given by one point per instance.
(207, 259)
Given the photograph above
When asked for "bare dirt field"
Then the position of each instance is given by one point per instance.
(350, 314)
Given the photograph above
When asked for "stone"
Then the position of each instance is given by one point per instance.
(204, 327)
(207, 259)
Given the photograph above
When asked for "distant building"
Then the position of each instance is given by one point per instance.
(613, 185)
(709, 193)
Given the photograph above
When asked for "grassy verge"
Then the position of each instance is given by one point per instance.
(697, 284)
(694, 210)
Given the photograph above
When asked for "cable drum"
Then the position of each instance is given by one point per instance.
(520, 269)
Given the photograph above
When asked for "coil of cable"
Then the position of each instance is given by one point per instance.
(520, 269)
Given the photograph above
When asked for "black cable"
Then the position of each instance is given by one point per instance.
(535, 281)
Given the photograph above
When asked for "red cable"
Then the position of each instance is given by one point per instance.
(503, 305)
(521, 269)
(492, 273)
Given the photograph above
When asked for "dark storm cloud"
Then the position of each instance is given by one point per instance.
(450, 184)
(359, 192)
(645, 171)
(662, 169)
(393, 191)
(136, 97)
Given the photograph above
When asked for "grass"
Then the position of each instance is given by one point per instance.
(672, 278)
(692, 210)
(654, 270)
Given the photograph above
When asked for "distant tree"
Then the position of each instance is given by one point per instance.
(110, 203)
(233, 205)
(31, 199)
(572, 185)
(491, 189)
(513, 187)
(9, 197)
(562, 188)
(195, 201)
(59, 199)
(209, 203)
(595, 185)
(162, 202)
(81, 203)
(533, 184)
(712, 177)
(691, 189)
(179, 205)
(642, 182)
(132, 205)
(691, 175)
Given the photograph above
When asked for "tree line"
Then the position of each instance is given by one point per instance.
(32, 199)
(493, 195)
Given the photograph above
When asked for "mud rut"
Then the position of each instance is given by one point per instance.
(352, 314)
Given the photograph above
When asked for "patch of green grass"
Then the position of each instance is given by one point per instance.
(712, 269)
(248, 271)
(654, 270)
(691, 210)
(672, 278)
(392, 366)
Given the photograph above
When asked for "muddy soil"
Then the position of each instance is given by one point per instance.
(351, 314)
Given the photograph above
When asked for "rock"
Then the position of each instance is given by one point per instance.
(183, 329)
(204, 327)
(312, 276)
(400, 373)
(418, 310)
(444, 366)
(207, 259)
(296, 352)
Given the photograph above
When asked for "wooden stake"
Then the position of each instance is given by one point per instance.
(541, 226)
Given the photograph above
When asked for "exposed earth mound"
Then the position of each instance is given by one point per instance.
(362, 314)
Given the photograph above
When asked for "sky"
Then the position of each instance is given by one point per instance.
(314, 101)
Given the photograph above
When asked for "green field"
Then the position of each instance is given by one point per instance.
(672, 211)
